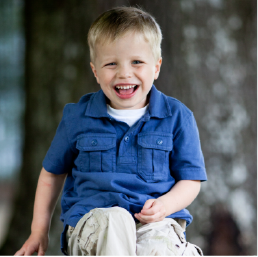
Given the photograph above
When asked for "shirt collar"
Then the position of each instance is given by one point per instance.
(97, 106)
(158, 105)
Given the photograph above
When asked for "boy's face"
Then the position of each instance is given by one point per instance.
(125, 70)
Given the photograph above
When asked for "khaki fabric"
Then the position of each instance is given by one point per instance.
(112, 232)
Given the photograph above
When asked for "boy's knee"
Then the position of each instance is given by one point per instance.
(112, 212)
(117, 212)
(93, 226)
(84, 237)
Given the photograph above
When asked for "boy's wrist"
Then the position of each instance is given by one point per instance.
(39, 232)
(37, 229)
(40, 235)
(180, 196)
(168, 212)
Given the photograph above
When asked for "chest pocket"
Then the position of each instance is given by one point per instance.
(97, 152)
(153, 155)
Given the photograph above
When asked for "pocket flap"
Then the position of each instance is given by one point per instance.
(154, 140)
(96, 142)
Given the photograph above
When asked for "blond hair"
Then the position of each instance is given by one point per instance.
(116, 22)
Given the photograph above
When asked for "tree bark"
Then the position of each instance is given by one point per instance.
(57, 72)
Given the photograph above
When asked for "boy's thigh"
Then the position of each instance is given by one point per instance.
(97, 228)
(164, 238)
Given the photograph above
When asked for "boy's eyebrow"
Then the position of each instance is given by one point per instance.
(110, 57)
(137, 57)
(107, 60)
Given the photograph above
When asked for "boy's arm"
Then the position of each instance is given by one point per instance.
(179, 197)
(47, 193)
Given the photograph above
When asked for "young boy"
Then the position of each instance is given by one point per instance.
(130, 156)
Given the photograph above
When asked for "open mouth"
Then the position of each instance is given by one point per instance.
(126, 91)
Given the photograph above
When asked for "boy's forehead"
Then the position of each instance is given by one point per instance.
(136, 35)
(130, 37)
(109, 49)
(106, 46)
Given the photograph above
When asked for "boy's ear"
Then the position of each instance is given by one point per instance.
(157, 68)
(94, 71)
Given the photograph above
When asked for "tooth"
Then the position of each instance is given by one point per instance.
(125, 87)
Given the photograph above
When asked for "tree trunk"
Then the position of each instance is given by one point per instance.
(56, 72)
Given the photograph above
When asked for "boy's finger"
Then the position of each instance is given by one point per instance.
(41, 251)
(150, 218)
(148, 204)
(30, 251)
(151, 211)
(138, 216)
(20, 252)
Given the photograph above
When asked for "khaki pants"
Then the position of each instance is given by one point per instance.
(112, 231)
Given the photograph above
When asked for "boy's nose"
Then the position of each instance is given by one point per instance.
(124, 72)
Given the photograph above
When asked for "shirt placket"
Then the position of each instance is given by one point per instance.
(128, 145)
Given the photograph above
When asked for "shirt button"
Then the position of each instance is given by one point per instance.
(159, 142)
(126, 139)
(94, 142)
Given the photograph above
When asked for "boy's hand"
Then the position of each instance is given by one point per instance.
(179, 197)
(48, 190)
(35, 243)
(152, 211)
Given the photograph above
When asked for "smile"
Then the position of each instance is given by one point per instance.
(125, 91)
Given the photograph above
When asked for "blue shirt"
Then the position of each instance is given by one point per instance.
(111, 164)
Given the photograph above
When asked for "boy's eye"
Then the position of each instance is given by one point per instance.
(110, 64)
(137, 62)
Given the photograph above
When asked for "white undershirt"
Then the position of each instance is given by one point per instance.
(127, 116)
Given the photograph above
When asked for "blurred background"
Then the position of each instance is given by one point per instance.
(209, 63)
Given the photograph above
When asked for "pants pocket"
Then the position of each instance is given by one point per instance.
(164, 238)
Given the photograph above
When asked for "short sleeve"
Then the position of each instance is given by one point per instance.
(59, 157)
(186, 159)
